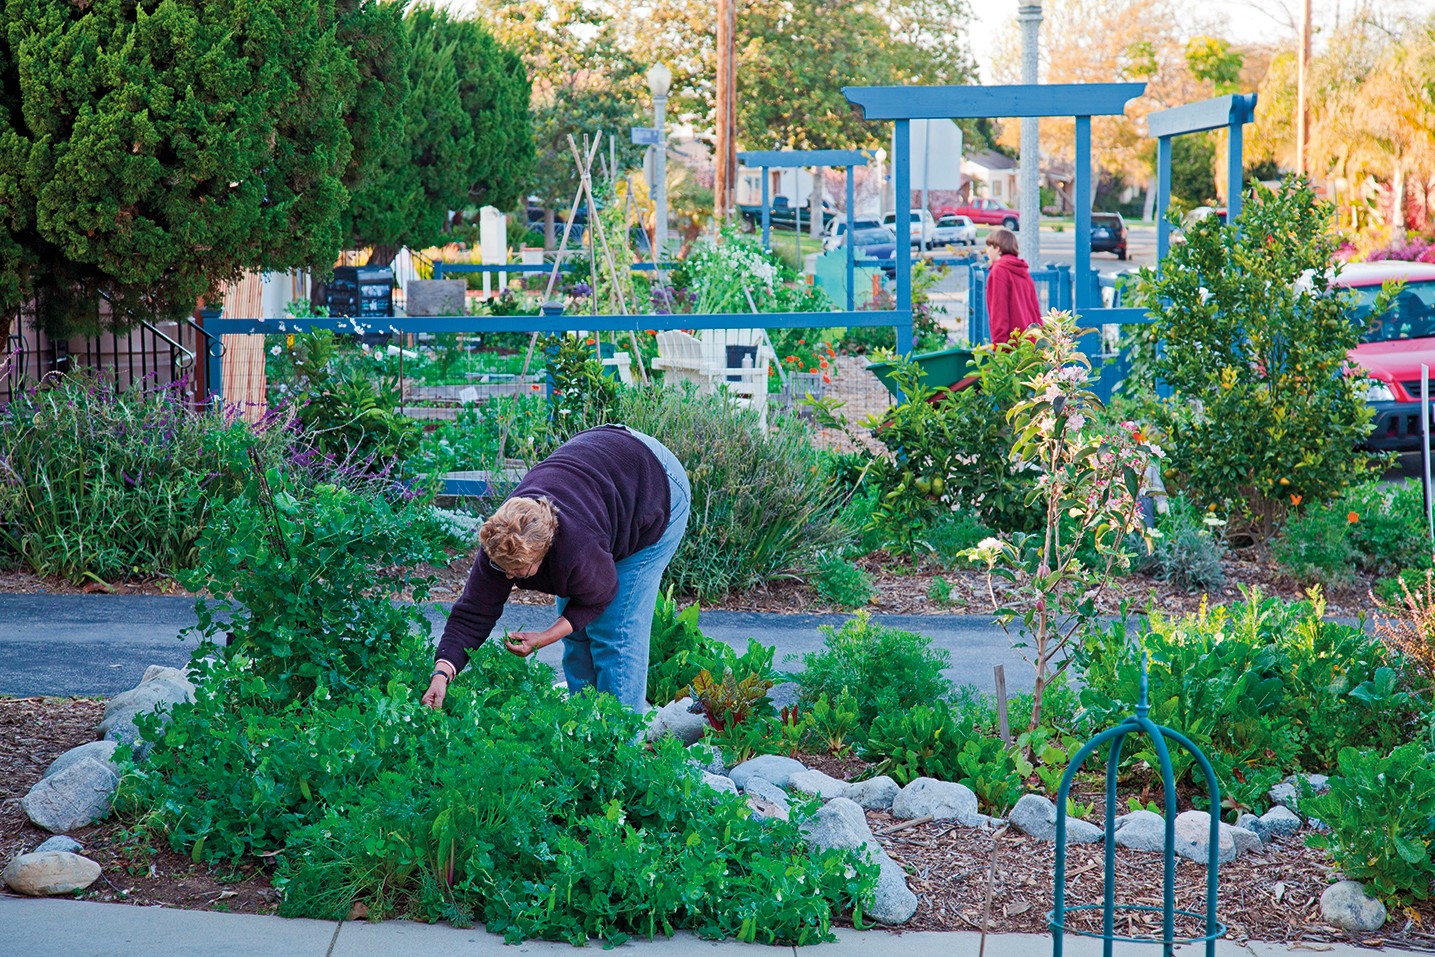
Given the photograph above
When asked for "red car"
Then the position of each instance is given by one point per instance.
(1394, 346)
(987, 212)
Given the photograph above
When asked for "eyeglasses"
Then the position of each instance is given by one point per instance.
(502, 571)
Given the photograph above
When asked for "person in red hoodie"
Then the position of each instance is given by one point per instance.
(1012, 304)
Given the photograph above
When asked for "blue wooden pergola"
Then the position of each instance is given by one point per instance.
(789, 159)
(902, 104)
(1232, 112)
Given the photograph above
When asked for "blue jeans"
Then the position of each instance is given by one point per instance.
(611, 653)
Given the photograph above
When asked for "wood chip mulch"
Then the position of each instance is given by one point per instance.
(36, 731)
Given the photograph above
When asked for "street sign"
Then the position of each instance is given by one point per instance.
(647, 136)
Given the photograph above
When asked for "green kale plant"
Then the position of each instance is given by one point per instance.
(1381, 813)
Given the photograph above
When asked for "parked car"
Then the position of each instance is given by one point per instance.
(955, 231)
(986, 212)
(878, 243)
(923, 226)
(1108, 234)
(1393, 347)
(782, 214)
(836, 233)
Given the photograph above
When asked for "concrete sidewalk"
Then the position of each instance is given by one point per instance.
(50, 927)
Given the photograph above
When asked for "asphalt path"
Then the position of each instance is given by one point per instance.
(101, 644)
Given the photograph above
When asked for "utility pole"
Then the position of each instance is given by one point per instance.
(1029, 16)
(1302, 114)
(725, 120)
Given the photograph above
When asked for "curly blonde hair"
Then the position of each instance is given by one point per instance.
(520, 532)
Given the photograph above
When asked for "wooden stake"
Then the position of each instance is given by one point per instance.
(999, 678)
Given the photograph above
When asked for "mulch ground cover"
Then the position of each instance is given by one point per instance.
(1272, 897)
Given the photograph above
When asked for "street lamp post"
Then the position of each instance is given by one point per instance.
(1029, 16)
(660, 79)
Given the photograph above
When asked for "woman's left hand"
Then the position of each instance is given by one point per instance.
(524, 643)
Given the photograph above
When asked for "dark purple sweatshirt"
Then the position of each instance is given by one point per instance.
(612, 497)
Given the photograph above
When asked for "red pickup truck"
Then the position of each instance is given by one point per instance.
(1394, 346)
(987, 212)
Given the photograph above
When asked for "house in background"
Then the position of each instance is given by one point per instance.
(991, 175)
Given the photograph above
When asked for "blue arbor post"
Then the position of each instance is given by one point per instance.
(1232, 112)
(790, 159)
(902, 104)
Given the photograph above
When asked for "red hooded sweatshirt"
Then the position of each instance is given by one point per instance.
(1011, 298)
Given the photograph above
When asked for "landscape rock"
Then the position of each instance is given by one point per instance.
(772, 799)
(74, 797)
(161, 693)
(1246, 840)
(51, 872)
(771, 767)
(1251, 823)
(1288, 792)
(834, 826)
(874, 794)
(990, 823)
(841, 824)
(61, 843)
(819, 784)
(941, 800)
(1141, 831)
(1346, 906)
(1193, 838)
(708, 758)
(1035, 816)
(893, 901)
(784, 695)
(163, 671)
(101, 751)
(719, 783)
(675, 720)
(1279, 822)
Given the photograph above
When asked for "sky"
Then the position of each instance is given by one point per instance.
(1244, 21)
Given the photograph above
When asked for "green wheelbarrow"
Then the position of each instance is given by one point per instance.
(945, 369)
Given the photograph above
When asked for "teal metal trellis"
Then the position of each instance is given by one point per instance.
(1138, 723)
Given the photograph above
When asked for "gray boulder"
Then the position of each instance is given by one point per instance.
(719, 783)
(841, 824)
(766, 799)
(1346, 906)
(79, 795)
(675, 720)
(1245, 840)
(818, 784)
(51, 872)
(163, 671)
(708, 758)
(1288, 792)
(941, 800)
(1141, 831)
(101, 751)
(1035, 815)
(161, 692)
(771, 767)
(874, 794)
(1193, 838)
(1278, 822)
(61, 843)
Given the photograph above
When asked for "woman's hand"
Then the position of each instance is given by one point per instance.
(525, 643)
(438, 689)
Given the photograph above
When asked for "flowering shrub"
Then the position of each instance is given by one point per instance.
(735, 274)
(1087, 493)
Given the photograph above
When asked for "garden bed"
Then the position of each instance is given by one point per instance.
(1272, 897)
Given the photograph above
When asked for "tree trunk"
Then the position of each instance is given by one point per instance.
(1397, 200)
(383, 255)
(550, 232)
(1148, 209)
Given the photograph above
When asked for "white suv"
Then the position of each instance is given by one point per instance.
(923, 227)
